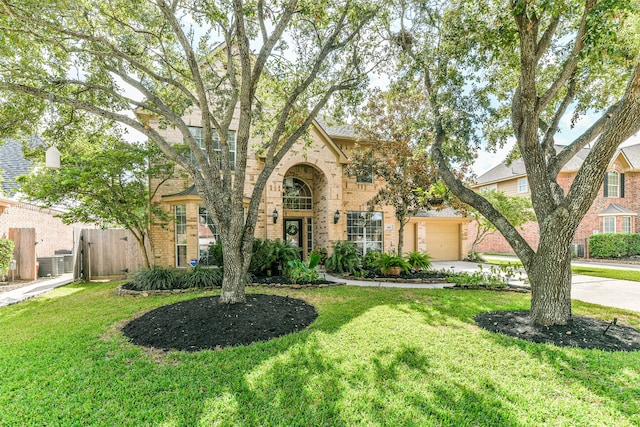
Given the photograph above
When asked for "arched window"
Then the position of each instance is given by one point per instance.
(297, 195)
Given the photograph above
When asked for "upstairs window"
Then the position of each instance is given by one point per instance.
(197, 134)
(523, 186)
(614, 184)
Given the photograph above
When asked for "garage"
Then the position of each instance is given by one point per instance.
(442, 234)
(443, 241)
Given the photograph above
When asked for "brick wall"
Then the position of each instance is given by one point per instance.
(51, 233)
(590, 224)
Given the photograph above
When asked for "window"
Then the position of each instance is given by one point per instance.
(609, 224)
(523, 186)
(309, 235)
(614, 184)
(297, 195)
(181, 235)
(492, 187)
(626, 224)
(207, 235)
(365, 229)
(197, 134)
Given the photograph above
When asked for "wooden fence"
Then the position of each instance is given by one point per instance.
(24, 252)
(106, 254)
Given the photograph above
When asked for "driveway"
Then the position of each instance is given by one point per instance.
(599, 290)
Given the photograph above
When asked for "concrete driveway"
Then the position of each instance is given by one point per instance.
(599, 290)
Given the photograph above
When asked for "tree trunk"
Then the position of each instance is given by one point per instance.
(235, 277)
(400, 238)
(550, 277)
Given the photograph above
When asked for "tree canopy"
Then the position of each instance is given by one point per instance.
(526, 67)
(105, 179)
(391, 149)
(262, 68)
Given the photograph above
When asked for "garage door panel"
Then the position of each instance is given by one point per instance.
(443, 241)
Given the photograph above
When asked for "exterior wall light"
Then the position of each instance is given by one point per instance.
(336, 217)
(275, 216)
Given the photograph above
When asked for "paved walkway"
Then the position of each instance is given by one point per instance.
(37, 288)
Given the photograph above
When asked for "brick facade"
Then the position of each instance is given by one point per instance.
(593, 221)
(321, 166)
(51, 233)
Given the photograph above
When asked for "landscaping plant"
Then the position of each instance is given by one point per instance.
(345, 257)
(419, 260)
(201, 277)
(6, 254)
(155, 278)
(388, 263)
(299, 271)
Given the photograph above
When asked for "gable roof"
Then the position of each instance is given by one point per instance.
(13, 163)
(502, 172)
(335, 130)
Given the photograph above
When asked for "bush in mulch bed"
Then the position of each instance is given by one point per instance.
(284, 280)
(372, 273)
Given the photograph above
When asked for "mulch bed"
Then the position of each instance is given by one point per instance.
(203, 323)
(582, 332)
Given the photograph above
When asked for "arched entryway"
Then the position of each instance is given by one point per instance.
(304, 203)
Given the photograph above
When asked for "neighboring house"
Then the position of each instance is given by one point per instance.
(51, 234)
(308, 200)
(614, 210)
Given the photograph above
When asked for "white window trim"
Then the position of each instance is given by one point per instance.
(604, 224)
(526, 185)
(611, 186)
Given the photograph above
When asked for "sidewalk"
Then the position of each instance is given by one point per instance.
(36, 288)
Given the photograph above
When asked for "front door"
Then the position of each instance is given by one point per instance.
(293, 232)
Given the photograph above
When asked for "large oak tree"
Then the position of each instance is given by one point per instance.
(530, 65)
(265, 67)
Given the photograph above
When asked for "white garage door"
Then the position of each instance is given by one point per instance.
(443, 241)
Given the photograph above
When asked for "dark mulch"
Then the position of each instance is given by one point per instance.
(411, 274)
(203, 323)
(582, 332)
(284, 280)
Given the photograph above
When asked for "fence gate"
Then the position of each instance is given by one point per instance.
(107, 254)
(24, 252)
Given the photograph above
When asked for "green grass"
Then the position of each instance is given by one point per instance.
(610, 273)
(633, 275)
(374, 357)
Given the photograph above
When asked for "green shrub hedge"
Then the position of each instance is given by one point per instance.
(614, 245)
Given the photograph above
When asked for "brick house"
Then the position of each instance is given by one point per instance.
(614, 210)
(51, 233)
(308, 200)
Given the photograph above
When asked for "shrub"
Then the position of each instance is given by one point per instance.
(278, 253)
(202, 277)
(6, 254)
(419, 260)
(215, 254)
(386, 262)
(156, 278)
(322, 252)
(369, 259)
(299, 271)
(345, 257)
(608, 245)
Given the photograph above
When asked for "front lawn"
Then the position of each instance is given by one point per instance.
(373, 357)
(610, 273)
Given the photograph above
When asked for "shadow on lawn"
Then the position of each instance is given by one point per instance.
(613, 376)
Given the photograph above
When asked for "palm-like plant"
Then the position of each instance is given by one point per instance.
(345, 258)
(419, 260)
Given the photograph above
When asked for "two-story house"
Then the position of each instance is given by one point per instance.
(310, 201)
(614, 209)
